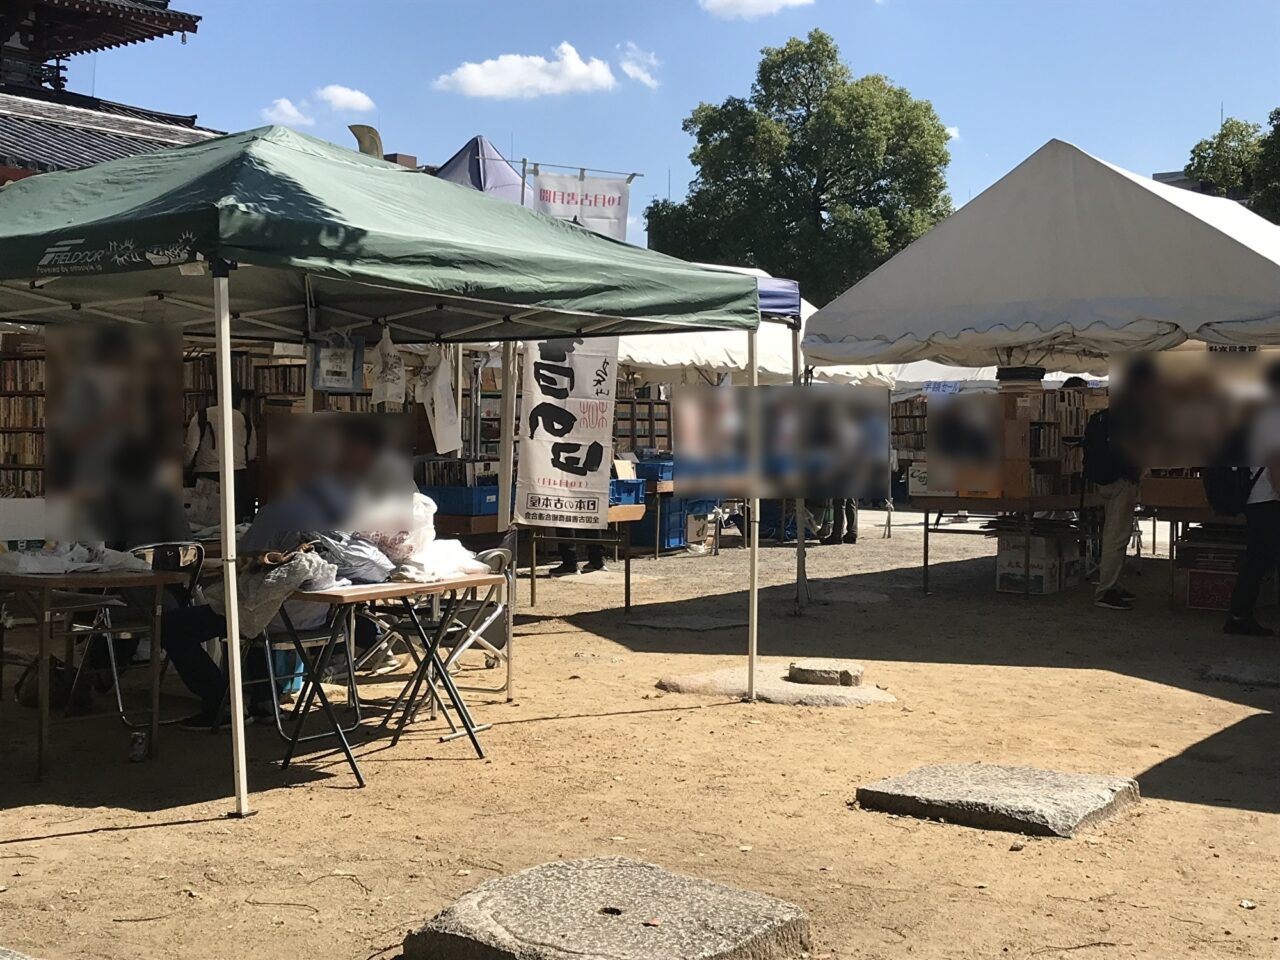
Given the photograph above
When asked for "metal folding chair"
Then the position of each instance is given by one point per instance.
(177, 555)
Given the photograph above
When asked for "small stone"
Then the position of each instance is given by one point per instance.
(1248, 905)
(831, 673)
(1017, 845)
(746, 848)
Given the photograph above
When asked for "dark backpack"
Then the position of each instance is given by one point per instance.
(1100, 463)
(1227, 481)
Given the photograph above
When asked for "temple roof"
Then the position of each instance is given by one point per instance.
(44, 135)
(83, 26)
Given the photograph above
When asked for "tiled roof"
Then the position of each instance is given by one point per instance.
(114, 23)
(43, 136)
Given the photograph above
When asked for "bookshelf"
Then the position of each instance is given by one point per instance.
(641, 424)
(22, 424)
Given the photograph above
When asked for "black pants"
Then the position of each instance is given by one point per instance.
(1262, 537)
(569, 552)
(844, 518)
(185, 631)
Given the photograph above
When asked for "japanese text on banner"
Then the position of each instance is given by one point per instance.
(566, 433)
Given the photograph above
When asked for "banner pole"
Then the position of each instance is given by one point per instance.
(802, 576)
(753, 480)
(524, 173)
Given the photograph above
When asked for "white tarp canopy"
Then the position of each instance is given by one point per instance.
(1063, 262)
(656, 358)
(911, 379)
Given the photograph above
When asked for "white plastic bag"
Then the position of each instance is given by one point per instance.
(388, 371)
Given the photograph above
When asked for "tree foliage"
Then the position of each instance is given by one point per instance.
(1224, 162)
(816, 175)
(1265, 199)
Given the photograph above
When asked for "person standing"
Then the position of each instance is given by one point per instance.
(201, 450)
(569, 553)
(1261, 515)
(844, 522)
(1109, 464)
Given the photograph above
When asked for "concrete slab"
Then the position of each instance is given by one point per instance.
(12, 955)
(610, 908)
(831, 673)
(1251, 673)
(1044, 803)
(697, 622)
(772, 686)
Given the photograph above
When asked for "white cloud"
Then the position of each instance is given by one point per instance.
(639, 65)
(953, 133)
(284, 112)
(345, 98)
(517, 76)
(748, 9)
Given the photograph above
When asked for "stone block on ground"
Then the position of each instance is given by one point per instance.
(1019, 799)
(610, 908)
(1250, 673)
(772, 686)
(697, 622)
(831, 673)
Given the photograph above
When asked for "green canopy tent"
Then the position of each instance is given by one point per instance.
(274, 235)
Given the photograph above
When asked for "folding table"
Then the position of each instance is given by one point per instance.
(430, 670)
(34, 592)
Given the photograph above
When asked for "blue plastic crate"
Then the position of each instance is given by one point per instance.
(674, 524)
(655, 469)
(626, 493)
(699, 507)
(464, 501)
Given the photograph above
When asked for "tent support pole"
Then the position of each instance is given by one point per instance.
(888, 496)
(802, 576)
(226, 483)
(753, 510)
(507, 439)
(508, 434)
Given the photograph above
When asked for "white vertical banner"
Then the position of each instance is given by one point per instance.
(597, 203)
(566, 433)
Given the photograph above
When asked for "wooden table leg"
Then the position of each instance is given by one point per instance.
(156, 662)
(626, 566)
(42, 670)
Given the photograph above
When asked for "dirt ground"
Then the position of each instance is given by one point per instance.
(109, 859)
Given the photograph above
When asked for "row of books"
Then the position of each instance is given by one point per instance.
(21, 483)
(456, 473)
(21, 375)
(201, 373)
(21, 411)
(21, 448)
(281, 379)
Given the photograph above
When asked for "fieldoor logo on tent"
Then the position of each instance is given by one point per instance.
(68, 256)
(71, 256)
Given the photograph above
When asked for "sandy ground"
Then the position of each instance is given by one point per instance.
(118, 860)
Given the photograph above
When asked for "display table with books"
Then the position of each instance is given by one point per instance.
(1021, 524)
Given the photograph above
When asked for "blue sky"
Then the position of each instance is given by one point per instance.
(1136, 82)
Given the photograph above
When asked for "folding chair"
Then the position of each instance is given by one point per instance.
(472, 633)
(175, 555)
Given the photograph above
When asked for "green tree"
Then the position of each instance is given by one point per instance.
(1224, 162)
(816, 175)
(1265, 199)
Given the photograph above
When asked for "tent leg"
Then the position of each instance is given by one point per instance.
(226, 478)
(753, 459)
(802, 576)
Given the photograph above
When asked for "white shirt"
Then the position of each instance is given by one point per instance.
(1264, 445)
(205, 450)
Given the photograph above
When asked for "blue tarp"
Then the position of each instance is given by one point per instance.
(779, 297)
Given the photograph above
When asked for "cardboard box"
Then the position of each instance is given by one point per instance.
(978, 481)
(918, 482)
(1012, 545)
(1019, 406)
(1017, 439)
(1015, 478)
(1173, 492)
(1046, 575)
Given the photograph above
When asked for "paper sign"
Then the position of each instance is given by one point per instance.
(566, 433)
(338, 369)
(596, 203)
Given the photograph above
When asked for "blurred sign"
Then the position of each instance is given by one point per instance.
(334, 369)
(596, 203)
(566, 433)
(815, 442)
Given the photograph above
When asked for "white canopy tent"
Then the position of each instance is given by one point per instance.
(657, 357)
(1063, 262)
(912, 379)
